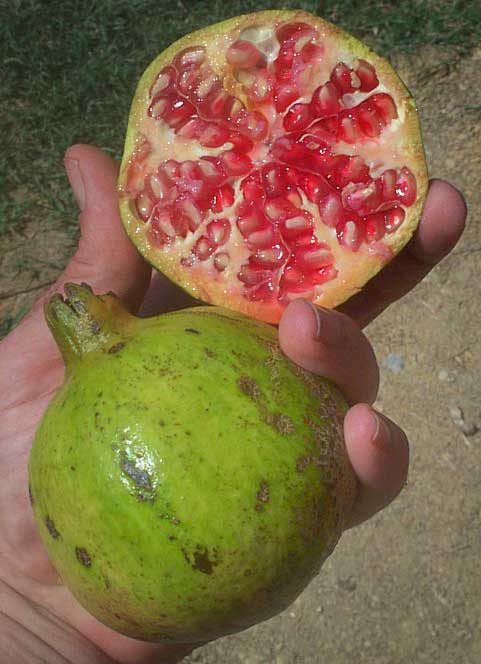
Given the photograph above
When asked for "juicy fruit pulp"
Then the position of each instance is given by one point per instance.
(188, 480)
(271, 157)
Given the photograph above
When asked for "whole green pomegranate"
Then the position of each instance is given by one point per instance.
(188, 480)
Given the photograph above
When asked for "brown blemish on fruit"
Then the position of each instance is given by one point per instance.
(201, 561)
(173, 519)
(30, 495)
(302, 463)
(83, 557)
(139, 476)
(191, 330)
(51, 528)
(281, 423)
(94, 327)
(249, 386)
(116, 348)
(262, 496)
(210, 353)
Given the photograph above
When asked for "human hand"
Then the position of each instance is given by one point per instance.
(38, 612)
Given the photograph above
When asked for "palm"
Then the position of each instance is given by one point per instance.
(31, 370)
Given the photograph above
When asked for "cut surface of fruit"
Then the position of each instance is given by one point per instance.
(271, 157)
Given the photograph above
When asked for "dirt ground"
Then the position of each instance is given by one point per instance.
(404, 587)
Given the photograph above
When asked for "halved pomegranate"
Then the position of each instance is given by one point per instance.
(271, 157)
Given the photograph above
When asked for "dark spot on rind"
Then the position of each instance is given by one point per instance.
(30, 495)
(173, 519)
(302, 463)
(281, 423)
(139, 476)
(77, 305)
(116, 348)
(201, 561)
(191, 330)
(83, 557)
(51, 528)
(262, 496)
(210, 353)
(249, 386)
(94, 327)
(317, 460)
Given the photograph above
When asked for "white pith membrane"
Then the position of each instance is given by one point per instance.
(258, 166)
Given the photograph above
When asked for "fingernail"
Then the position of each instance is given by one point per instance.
(381, 437)
(76, 181)
(328, 325)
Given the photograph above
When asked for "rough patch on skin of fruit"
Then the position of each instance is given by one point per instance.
(272, 162)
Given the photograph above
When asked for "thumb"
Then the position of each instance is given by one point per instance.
(105, 259)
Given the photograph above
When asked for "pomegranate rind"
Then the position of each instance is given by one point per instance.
(357, 269)
(188, 480)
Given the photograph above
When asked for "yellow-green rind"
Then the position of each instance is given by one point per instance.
(362, 269)
(188, 480)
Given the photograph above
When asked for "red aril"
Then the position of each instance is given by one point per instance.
(218, 231)
(244, 55)
(271, 157)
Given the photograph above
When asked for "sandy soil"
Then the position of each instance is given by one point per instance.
(404, 587)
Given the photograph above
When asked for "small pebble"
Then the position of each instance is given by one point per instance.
(470, 429)
(394, 363)
(443, 375)
(457, 415)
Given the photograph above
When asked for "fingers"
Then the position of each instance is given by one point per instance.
(330, 344)
(441, 226)
(379, 454)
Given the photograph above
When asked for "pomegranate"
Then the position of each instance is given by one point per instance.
(172, 509)
(270, 157)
